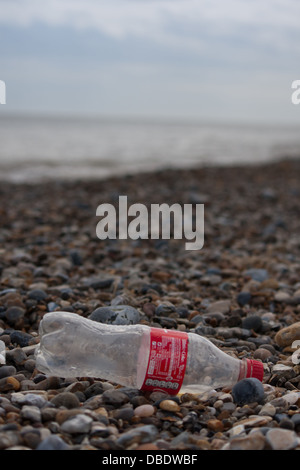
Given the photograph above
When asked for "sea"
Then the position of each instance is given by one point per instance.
(36, 148)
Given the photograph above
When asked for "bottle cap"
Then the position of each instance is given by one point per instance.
(255, 369)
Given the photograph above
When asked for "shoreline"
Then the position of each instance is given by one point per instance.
(130, 172)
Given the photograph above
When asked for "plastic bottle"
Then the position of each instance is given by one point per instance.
(137, 356)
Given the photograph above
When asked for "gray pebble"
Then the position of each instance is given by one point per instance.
(6, 371)
(116, 315)
(21, 338)
(65, 399)
(282, 439)
(53, 442)
(77, 424)
(139, 435)
(37, 294)
(30, 399)
(252, 322)
(9, 439)
(14, 314)
(259, 275)
(114, 397)
(32, 413)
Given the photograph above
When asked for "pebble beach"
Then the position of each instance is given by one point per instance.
(241, 291)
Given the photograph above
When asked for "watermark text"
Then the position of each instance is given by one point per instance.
(2, 92)
(296, 93)
(161, 221)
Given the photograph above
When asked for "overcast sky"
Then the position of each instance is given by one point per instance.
(206, 59)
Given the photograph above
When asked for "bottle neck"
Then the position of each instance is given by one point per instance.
(243, 369)
(251, 368)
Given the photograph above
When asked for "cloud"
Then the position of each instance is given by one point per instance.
(192, 57)
(170, 21)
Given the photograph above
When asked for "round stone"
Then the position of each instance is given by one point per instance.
(37, 294)
(78, 424)
(282, 439)
(244, 298)
(286, 336)
(262, 354)
(6, 371)
(252, 322)
(116, 315)
(53, 442)
(21, 338)
(66, 399)
(144, 411)
(248, 391)
(14, 314)
(169, 405)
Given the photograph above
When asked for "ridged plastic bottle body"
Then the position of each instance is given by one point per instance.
(72, 346)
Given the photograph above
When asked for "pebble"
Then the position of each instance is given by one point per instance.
(286, 336)
(9, 383)
(215, 425)
(267, 410)
(244, 298)
(21, 338)
(252, 322)
(144, 411)
(116, 315)
(53, 442)
(126, 414)
(282, 296)
(248, 391)
(32, 413)
(37, 294)
(29, 399)
(9, 439)
(282, 439)
(221, 306)
(66, 399)
(259, 275)
(114, 397)
(77, 424)
(254, 421)
(169, 405)
(139, 435)
(262, 353)
(6, 371)
(254, 441)
(14, 315)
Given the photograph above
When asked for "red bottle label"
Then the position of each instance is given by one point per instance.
(167, 360)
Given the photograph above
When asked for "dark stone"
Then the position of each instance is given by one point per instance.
(248, 391)
(21, 338)
(14, 314)
(253, 322)
(164, 310)
(53, 442)
(6, 371)
(66, 399)
(94, 389)
(37, 294)
(114, 397)
(244, 298)
(116, 315)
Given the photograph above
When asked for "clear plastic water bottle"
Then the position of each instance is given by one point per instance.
(136, 356)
